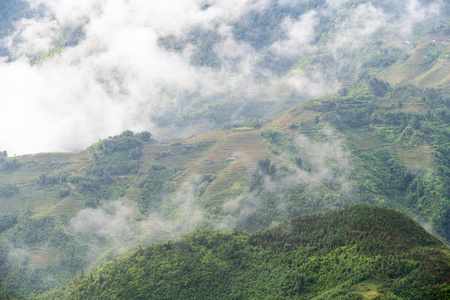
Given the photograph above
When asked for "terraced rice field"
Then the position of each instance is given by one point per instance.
(295, 115)
(231, 156)
(438, 75)
(412, 70)
(363, 139)
(247, 148)
(151, 227)
(417, 158)
(42, 257)
(130, 202)
(69, 206)
(31, 196)
(415, 107)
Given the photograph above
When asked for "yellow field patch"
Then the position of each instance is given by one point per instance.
(42, 257)
(420, 157)
(363, 139)
(367, 289)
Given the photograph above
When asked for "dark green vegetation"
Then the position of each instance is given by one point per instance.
(41, 250)
(120, 154)
(329, 256)
(153, 187)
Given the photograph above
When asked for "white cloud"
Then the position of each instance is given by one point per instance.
(107, 83)
(362, 22)
(35, 36)
(113, 78)
(312, 84)
(292, 2)
(415, 12)
(111, 222)
(336, 3)
(300, 34)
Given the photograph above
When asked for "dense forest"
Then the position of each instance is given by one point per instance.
(350, 253)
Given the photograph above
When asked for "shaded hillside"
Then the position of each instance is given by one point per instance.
(352, 253)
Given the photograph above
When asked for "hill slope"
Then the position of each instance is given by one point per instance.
(253, 63)
(352, 253)
(371, 143)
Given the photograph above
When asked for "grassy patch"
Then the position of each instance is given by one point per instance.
(420, 157)
(42, 257)
(363, 139)
(242, 129)
(368, 289)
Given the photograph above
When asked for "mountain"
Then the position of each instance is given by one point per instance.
(357, 252)
(185, 74)
(259, 113)
(372, 143)
(350, 41)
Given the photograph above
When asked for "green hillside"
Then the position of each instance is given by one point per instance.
(396, 138)
(256, 151)
(351, 253)
(371, 143)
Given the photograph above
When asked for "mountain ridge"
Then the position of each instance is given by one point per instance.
(220, 261)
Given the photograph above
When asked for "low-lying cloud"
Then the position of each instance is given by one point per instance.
(113, 74)
(324, 180)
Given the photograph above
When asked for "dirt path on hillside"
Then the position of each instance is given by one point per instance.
(320, 118)
(85, 166)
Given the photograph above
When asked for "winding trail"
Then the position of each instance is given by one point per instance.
(85, 166)
(321, 116)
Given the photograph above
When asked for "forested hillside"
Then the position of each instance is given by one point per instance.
(370, 144)
(352, 253)
(244, 115)
(396, 138)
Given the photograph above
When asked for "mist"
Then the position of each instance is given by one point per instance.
(111, 228)
(324, 182)
(80, 71)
